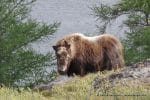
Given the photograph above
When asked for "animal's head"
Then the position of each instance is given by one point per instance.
(63, 55)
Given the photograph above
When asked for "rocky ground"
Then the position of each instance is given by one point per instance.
(136, 74)
(58, 80)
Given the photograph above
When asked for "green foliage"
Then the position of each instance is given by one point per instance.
(12, 94)
(81, 88)
(16, 32)
(138, 12)
(137, 46)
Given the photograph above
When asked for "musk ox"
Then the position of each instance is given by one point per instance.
(79, 54)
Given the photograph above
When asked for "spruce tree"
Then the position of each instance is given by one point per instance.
(137, 41)
(17, 30)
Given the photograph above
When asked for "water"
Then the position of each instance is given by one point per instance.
(74, 15)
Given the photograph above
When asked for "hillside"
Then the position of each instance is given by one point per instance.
(132, 83)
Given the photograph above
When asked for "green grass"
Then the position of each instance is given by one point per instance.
(12, 94)
(80, 88)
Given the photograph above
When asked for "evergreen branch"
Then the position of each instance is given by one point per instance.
(7, 15)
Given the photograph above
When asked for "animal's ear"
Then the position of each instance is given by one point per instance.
(54, 47)
(67, 45)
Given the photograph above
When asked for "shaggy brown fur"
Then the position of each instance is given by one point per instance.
(80, 54)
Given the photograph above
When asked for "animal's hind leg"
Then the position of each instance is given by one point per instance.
(111, 59)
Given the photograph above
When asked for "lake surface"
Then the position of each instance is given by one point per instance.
(74, 15)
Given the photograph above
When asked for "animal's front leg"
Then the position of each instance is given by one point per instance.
(82, 71)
